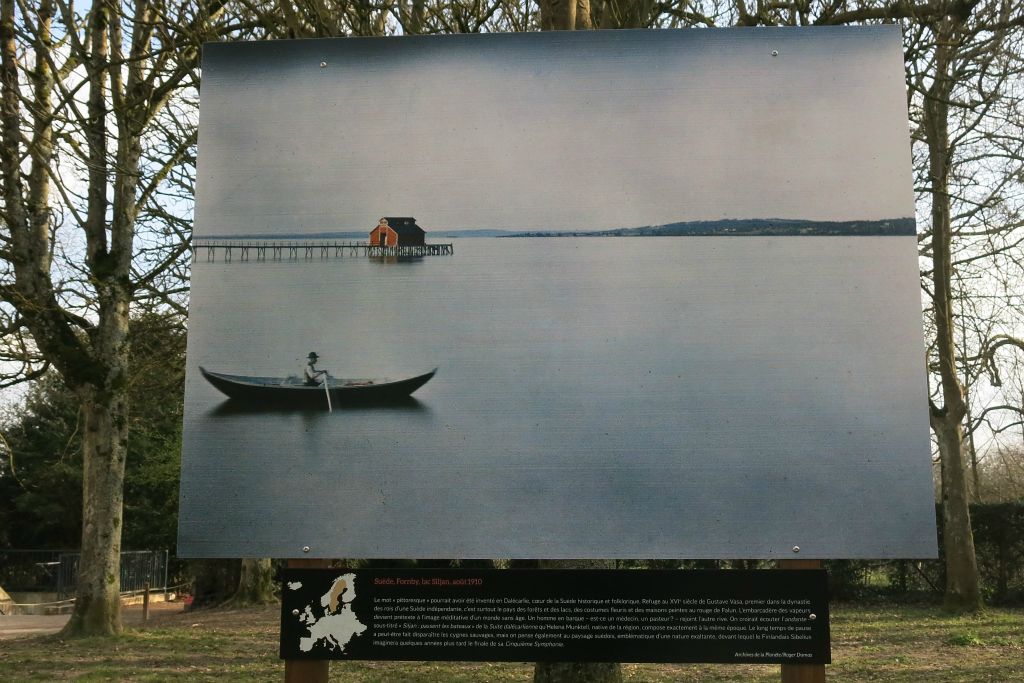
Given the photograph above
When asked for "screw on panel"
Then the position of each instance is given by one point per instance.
(796, 549)
(296, 612)
(775, 53)
(812, 617)
(305, 548)
(323, 64)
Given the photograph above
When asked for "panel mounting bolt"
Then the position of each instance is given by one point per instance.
(296, 612)
(775, 53)
(323, 64)
(305, 548)
(811, 616)
(796, 549)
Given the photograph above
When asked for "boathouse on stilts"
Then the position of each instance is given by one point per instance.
(397, 232)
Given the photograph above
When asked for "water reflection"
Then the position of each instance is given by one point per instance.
(406, 404)
(396, 259)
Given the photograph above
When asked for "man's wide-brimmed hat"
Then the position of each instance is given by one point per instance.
(312, 354)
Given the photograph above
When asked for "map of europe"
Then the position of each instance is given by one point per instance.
(333, 623)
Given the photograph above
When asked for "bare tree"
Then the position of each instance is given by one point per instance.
(962, 586)
(81, 101)
(959, 80)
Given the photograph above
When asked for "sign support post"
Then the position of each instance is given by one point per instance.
(802, 673)
(307, 670)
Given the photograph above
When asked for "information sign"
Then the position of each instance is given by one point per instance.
(774, 616)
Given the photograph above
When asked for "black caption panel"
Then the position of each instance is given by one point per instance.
(770, 616)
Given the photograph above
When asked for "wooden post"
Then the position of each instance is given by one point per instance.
(304, 670)
(145, 602)
(802, 673)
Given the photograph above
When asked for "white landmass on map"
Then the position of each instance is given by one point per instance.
(336, 623)
(294, 585)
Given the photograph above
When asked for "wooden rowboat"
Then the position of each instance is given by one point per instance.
(292, 390)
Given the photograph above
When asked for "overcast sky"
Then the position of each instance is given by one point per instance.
(553, 131)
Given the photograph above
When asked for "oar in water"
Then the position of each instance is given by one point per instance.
(328, 392)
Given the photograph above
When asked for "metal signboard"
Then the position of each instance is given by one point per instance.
(591, 294)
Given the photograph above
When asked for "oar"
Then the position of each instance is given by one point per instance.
(328, 392)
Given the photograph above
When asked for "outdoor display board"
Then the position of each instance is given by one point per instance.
(589, 294)
(556, 615)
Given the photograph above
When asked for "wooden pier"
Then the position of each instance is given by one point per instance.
(295, 250)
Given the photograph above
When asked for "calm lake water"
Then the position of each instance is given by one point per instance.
(606, 397)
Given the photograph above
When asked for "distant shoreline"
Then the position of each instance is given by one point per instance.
(730, 227)
(747, 227)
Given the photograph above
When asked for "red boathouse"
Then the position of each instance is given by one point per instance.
(397, 232)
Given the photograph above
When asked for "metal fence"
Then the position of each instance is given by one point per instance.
(56, 571)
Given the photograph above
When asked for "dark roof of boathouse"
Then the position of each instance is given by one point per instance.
(404, 225)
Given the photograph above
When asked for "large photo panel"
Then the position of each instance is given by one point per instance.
(593, 294)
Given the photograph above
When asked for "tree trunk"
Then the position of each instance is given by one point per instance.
(411, 13)
(577, 672)
(105, 439)
(963, 592)
(565, 15)
(215, 581)
(255, 583)
(614, 14)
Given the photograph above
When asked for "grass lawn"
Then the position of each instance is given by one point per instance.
(887, 643)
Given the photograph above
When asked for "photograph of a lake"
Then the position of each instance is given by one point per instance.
(595, 397)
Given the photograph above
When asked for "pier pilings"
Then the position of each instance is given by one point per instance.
(292, 250)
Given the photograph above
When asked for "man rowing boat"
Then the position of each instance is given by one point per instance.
(311, 374)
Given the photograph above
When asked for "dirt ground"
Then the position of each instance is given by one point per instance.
(21, 625)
